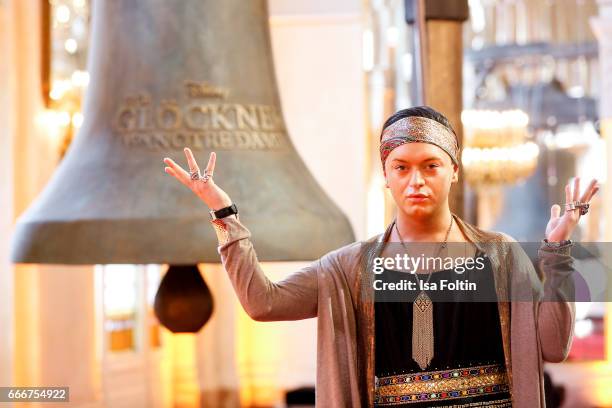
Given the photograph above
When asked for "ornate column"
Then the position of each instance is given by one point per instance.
(602, 26)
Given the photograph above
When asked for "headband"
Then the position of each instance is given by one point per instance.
(418, 129)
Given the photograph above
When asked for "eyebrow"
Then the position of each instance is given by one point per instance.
(424, 160)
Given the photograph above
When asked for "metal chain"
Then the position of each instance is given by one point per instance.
(439, 250)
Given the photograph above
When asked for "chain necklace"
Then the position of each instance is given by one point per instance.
(442, 246)
(422, 315)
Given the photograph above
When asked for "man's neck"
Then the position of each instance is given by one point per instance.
(424, 229)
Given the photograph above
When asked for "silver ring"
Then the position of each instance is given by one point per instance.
(577, 205)
(207, 175)
(195, 175)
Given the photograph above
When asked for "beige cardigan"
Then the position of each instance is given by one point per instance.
(336, 289)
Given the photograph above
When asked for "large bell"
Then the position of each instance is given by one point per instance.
(167, 74)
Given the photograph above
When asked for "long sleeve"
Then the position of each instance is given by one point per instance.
(551, 293)
(557, 309)
(292, 298)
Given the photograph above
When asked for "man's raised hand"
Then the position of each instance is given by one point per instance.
(202, 185)
(560, 227)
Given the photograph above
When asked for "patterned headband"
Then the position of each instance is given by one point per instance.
(418, 129)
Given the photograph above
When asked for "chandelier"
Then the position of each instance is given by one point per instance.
(496, 147)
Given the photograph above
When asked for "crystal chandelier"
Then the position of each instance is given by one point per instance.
(496, 147)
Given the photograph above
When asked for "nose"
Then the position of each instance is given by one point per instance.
(416, 179)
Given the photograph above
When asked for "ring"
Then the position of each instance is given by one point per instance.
(207, 175)
(583, 207)
(195, 175)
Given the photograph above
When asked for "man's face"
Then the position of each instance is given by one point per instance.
(420, 176)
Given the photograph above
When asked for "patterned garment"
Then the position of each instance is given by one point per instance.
(484, 385)
(468, 367)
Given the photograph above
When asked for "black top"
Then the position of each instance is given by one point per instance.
(466, 334)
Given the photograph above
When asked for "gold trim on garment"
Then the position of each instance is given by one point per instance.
(441, 385)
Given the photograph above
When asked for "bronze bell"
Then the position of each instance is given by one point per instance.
(167, 74)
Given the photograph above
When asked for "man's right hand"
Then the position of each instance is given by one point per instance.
(214, 197)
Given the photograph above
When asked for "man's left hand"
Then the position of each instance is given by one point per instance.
(560, 227)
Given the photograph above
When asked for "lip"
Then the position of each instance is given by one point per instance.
(417, 196)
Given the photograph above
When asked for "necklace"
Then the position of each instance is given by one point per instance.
(422, 315)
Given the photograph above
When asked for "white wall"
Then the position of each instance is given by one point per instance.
(321, 83)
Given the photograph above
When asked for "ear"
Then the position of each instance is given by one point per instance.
(385, 175)
(455, 174)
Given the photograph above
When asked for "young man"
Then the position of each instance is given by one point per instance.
(362, 361)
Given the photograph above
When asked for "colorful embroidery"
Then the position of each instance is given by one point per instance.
(441, 385)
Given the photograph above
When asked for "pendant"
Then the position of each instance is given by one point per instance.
(422, 330)
(422, 302)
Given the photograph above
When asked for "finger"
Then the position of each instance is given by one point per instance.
(210, 167)
(576, 188)
(590, 191)
(193, 165)
(174, 165)
(178, 171)
(594, 191)
(172, 172)
(555, 211)
(568, 195)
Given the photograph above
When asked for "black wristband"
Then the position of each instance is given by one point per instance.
(224, 212)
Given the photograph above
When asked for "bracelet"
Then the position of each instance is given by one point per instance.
(556, 245)
(562, 247)
(223, 212)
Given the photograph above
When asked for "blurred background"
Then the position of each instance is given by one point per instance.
(526, 84)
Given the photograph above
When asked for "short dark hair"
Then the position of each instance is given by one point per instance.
(421, 111)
